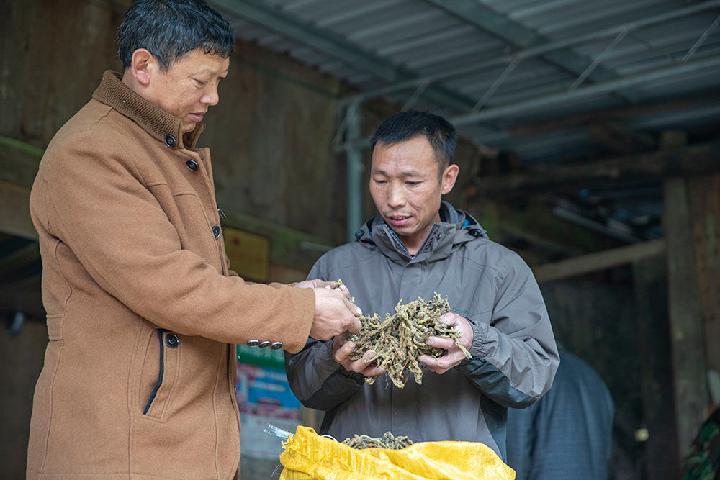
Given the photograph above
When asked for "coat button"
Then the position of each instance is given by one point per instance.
(276, 345)
(172, 340)
(170, 140)
(216, 231)
(253, 343)
(192, 165)
(265, 343)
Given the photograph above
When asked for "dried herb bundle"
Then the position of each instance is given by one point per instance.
(388, 440)
(399, 339)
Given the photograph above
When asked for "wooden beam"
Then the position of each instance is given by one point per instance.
(595, 262)
(661, 449)
(620, 139)
(686, 315)
(535, 223)
(681, 161)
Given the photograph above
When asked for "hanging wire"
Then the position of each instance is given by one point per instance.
(701, 40)
(497, 83)
(416, 94)
(611, 46)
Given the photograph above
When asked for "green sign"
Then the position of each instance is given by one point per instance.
(264, 357)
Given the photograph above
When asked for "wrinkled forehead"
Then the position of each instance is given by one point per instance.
(409, 157)
(197, 61)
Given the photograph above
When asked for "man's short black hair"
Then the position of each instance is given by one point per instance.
(406, 125)
(171, 28)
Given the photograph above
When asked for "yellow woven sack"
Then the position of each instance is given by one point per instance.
(309, 456)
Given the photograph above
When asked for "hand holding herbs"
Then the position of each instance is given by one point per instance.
(398, 342)
(456, 349)
(335, 314)
(365, 365)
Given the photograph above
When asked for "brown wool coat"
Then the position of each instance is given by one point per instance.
(142, 310)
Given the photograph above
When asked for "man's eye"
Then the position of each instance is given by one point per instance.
(200, 83)
(381, 182)
(412, 183)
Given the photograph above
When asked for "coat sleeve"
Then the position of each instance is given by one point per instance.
(514, 358)
(99, 206)
(317, 380)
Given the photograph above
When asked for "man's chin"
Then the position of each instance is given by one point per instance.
(403, 231)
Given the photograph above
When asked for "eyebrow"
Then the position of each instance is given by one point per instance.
(406, 173)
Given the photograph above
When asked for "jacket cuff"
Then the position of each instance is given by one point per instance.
(484, 338)
(303, 300)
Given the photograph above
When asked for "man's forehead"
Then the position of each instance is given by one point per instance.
(197, 61)
(403, 158)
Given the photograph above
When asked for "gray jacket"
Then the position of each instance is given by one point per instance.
(514, 352)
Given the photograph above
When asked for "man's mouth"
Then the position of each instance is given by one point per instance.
(196, 117)
(398, 220)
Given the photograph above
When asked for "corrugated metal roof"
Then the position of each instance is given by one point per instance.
(418, 38)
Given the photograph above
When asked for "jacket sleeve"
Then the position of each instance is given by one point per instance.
(102, 209)
(514, 358)
(317, 380)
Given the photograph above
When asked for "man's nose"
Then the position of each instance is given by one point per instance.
(211, 98)
(396, 197)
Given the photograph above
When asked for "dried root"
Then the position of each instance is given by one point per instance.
(388, 440)
(399, 339)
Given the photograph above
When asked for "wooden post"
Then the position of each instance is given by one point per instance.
(686, 316)
(661, 449)
(685, 308)
(704, 198)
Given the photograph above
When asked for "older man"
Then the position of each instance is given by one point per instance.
(142, 308)
(419, 245)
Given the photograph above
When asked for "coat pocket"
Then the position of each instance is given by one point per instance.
(167, 354)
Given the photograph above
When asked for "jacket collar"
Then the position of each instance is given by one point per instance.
(455, 228)
(155, 121)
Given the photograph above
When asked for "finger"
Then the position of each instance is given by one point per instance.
(353, 324)
(354, 309)
(370, 356)
(452, 359)
(342, 353)
(439, 342)
(449, 318)
(373, 371)
(428, 361)
(338, 341)
(357, 366)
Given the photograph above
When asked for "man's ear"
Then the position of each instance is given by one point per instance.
(449, 177)
(142, 66)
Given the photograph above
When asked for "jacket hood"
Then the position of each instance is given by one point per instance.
(456, 227)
